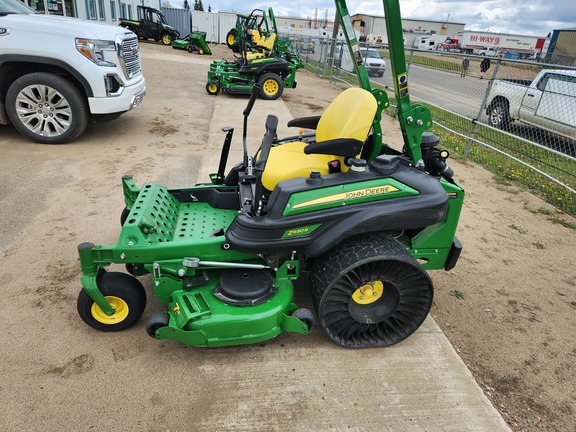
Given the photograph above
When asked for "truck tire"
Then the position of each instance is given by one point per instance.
(47, 108)
(499, 114)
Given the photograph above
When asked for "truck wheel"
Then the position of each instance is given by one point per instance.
(166, 39)
(231, 38)
(271, 86)
(47, 108)
(213, 88)
(499, 114)
(370, 292)
(126, 295)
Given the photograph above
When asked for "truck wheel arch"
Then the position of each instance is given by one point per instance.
(38, 64)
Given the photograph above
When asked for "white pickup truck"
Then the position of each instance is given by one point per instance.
(547, 102)
(57, 74)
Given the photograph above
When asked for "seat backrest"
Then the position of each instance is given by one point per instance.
(350, 115)
(256, 38)
(267, 43)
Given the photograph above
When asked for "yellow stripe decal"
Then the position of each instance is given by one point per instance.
(350, 195)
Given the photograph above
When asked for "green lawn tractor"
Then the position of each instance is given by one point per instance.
(195, 42)
(364, 222)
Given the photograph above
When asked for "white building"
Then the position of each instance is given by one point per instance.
(97, 10)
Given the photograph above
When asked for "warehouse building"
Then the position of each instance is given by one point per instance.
(562, 48)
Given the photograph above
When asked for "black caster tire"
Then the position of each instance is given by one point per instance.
(370, 292)
(306, 316)
(155, 322)
(125, 293)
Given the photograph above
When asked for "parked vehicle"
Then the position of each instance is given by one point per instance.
(487, 52)
(267, 61)
(151, 24)
(547, 102)
(429, 43)
(56, 73)
(470, 41)
(375, 64)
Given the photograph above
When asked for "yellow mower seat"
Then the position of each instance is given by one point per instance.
(350, 115)
(263, 45)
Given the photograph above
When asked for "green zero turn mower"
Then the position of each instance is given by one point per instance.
(266, 60)
(366, 221)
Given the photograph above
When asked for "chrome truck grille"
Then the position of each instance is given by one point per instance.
(130, 56)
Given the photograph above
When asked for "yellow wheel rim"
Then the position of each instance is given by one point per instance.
(368, 293)
(270, 87)
(120, 311)
(166, 40)
(201, 52)
(212, 88)
(231, 40)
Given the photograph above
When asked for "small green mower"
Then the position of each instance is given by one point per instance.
(265, 61)
(195, 42)
(364, 220)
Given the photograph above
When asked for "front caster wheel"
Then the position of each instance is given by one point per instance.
(370, 292)
(124, 293)
(213, 88)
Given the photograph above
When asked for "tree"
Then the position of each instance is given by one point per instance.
(200, 5)
(186, 5)
(209, 8)
(196, 5)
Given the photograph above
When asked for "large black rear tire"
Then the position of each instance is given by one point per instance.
(370, 292)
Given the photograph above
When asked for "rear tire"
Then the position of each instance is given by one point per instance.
(271, 86)
(370, 292)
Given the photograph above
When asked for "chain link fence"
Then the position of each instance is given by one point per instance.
(517, 118)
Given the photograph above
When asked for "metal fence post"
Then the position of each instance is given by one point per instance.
(409, 62)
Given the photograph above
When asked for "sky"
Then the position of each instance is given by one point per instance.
(524, 17)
